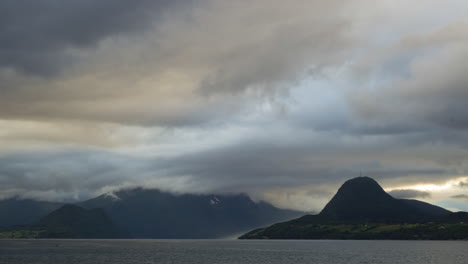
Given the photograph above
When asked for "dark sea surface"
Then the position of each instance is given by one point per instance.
(231, 251)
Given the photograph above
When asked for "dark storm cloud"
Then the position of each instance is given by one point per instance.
(408, 194)
(35, 35)
(161, 63)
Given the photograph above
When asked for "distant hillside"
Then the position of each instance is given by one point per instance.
(361, 209)
(427, 209)
(69, 221)
(156, 214)
(17, 211)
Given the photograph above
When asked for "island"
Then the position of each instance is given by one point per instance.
(361, 209)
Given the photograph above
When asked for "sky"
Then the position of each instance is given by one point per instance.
(282, 100)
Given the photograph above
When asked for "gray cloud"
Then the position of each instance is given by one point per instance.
(460, 196)
(37, 36)
(57, 174)
(431, 94)
(257, 163)
(409, 194)
(162, 62)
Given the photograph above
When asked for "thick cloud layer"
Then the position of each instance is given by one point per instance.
(432, 92)
(187, 62)
(39, 37)
(282, 100)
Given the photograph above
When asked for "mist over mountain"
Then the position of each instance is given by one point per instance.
(156, 214)
(140, 213)
(360, 209)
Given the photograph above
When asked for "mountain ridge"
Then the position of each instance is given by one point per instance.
(147, 213)
(168, 215)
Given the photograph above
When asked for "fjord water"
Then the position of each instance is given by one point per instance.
(231, 251)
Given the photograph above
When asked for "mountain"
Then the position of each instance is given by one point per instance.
(363, 200)
(428, 209)
(157, 214)
(15, 211)
(458, 217)
(361, 209)
(68, 221)
(72, 221)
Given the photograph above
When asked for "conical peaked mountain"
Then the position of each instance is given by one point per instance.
(361, 209)
(363, 199)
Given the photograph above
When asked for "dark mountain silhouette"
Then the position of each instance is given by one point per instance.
(427, 209)
(156, 214)
(71, 221)
(458, 217)
(361, 209)
(16, 211)
(363, 200)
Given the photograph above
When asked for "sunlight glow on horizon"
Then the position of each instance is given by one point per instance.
(433, 187)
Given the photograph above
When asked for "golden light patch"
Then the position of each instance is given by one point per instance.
(448, 185)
